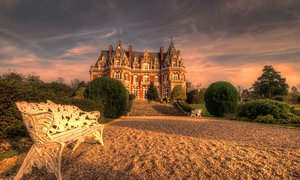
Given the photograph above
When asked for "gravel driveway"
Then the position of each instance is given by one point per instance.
(184, 148)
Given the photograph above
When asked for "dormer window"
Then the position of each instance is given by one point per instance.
(174, 64)
(175, 77)
(145, 66)
(118, 62)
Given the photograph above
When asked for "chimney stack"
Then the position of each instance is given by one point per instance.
(110, 50)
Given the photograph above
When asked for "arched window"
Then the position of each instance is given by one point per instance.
(145, 66)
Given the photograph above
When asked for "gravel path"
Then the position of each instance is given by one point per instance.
(184, 148)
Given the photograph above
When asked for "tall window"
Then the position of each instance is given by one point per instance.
(117, 75)
(145, 66)
(145, 92)
(156, 79)
(126, 77)
(175, 76)
(135, 78)
(136, 92)
(146, 78)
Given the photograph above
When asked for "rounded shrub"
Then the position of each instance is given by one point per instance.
(265, 119)
(111, 93)
(262, 107)
(221, 98)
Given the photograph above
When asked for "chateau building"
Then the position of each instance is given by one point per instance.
(137, 69)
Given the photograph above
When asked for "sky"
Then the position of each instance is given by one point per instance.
(219, 40)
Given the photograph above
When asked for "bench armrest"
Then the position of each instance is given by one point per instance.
(93, 115)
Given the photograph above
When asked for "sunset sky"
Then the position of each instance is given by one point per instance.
(219, 40)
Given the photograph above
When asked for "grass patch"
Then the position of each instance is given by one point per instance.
(204, 110)
(8, 154)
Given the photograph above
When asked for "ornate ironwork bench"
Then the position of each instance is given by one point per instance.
(196, 113)
(51, 127)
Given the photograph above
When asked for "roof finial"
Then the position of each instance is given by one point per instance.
(120, 35)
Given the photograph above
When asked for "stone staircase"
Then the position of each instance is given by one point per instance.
(144, 108)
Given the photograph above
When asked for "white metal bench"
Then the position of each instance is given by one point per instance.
(196, 113)
(52, 126)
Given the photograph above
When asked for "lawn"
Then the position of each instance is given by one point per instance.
(201, 106)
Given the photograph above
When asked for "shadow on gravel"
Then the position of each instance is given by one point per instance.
(214, 130)
(167, 110)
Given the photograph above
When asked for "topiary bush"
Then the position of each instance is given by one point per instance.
(178, 93)
(221, 98)
(111, 93)
(261, 107)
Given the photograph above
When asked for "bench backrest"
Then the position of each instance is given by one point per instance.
(65, 117)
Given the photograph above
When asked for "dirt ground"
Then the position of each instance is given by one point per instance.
(181, 148)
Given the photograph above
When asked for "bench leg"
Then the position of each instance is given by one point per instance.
(78, 142)
(27, 163)
(48, 155)
(99, 135)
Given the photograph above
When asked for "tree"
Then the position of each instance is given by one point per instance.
(245, 94)
(178, 93)
(76, 84)
(293, 95)
(270, 84)
(221, 98)
(152, 94)
(191, 96)
(196, 96)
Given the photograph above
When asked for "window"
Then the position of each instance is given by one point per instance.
(118, 62)
(146, 78)
(174, 64)
(136, 92)
(175, 76)
(135, 78)
(145, 92)
(156, 79)
(117, 75)
(145, 66)
(126, 77)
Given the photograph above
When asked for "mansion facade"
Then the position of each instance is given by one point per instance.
(137, 69)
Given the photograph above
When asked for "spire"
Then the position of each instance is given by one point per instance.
(120, 37)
